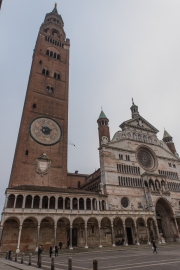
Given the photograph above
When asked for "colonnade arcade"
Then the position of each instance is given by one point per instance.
(52, 202)
(27, 234)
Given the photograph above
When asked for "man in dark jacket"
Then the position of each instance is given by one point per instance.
(60, 245)
(50, 251)
(56, 251)
(154, 246)
(40, 249)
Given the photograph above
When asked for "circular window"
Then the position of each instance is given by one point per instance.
(124, 202)
(146, 158)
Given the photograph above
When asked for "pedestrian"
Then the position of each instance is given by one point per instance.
(50, 251)
(60, 245)
(9, 254)
(154, 246)
(40, 249)
(56, 251)
(68, 242)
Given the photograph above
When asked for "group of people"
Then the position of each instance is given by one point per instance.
(56, 249)
(40, 250)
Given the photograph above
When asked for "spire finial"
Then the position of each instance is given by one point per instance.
(132, 101)
(101, 108)
(55, 4)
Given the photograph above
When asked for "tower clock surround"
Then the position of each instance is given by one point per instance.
(45, 131)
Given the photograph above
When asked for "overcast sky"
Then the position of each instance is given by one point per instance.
(119, 49)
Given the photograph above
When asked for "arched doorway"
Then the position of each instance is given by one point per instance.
(29, 234)
(63, 226)
(118, 231)
(78, 233)
(106, 232)
(130, 232)
(46, 235)
(10, 234)
(93, 232)
(165, 221)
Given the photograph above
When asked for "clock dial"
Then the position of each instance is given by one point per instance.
(45, 131)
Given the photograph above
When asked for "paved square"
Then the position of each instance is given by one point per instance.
(168, 257)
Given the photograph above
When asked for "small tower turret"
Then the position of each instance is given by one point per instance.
(103, 128)
(134, 110)
(168, 139)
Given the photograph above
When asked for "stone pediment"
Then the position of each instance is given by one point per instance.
(139, 123)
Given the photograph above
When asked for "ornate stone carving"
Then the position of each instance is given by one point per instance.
(43, 164)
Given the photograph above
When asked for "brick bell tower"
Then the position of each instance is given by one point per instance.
(41, 152)
(103, 128)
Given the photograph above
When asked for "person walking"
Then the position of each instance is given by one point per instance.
(60, 245)
(50, 251)
(40, 249)
(154, 246)
(56, 251)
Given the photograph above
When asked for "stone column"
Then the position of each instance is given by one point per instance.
(100, 236)
(71, 247)
(125, 235)
(63, 203)
(15, 201)
(91, 205)
(40, 203)
(86, 246)
(24, 201)
(19, 238)
(112, 235)
(71, 200)
(77, 203)
(147, 230)
(32, 202)
(137, 236)
(107, 208)
(85, 206)
(56, 203)
(1, 230)
(37, 239)
(175, 221)
(100, 204)
(48, 202)
(157, 231)
(97, 205)
(55, 228)
(6, 200)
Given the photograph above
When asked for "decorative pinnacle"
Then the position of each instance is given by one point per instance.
(101, 108)
(55, 4)
(132, 101)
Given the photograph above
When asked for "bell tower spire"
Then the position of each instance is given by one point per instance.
(168, 139)
(103, 128)
(41, 148)
(134, 110)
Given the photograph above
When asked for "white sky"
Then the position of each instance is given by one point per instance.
(119, 49)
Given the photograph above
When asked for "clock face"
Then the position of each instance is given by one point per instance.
(45, 131)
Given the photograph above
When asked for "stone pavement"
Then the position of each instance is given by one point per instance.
(131, 258)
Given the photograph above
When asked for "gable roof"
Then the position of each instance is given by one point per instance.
(139, 123)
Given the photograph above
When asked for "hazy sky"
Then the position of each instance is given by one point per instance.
(119, 49)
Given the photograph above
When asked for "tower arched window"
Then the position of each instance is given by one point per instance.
(58, 56)
(54, 55)
(58, 77)
(47, 52)
(47, 72)
(43, 71)
(50, 89)
(55, 75)
(51, 54)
